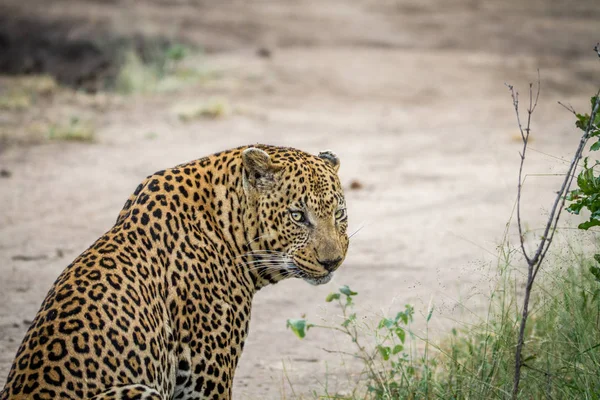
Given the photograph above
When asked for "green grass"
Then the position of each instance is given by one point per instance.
(561, 358)
(166, 69)
(75, 130)
(211, 109)
(21, 93)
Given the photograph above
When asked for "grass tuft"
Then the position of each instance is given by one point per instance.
(212, 109)
(163, 70)
(75, 130)
(20, 93)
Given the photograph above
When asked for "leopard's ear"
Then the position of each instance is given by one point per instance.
(330, 158)
(259, 171)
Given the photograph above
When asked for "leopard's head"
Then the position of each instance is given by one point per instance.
(298, 213)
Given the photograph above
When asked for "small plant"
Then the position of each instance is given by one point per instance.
(74, 130)
(151, 135)
(391, 369)
(174, 55)
(158, 69)
(212, 109)
(134, 76)
(22, 92)
(587, 195)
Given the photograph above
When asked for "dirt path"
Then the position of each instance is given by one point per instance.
(412, 100)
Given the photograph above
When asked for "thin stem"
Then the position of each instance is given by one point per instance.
(287, 377)
(522, 333)
(525, 138)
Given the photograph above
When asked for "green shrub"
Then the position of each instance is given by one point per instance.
(587, 195)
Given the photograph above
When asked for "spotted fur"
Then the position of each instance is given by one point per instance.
(159, 306)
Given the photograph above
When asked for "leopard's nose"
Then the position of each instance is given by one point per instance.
(331, 265)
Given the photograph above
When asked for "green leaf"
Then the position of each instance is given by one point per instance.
(403, 316)
(588, 224)
(298, 326)
(586, 182)
(401, 333)
(388, 323)
(384, 351)
(595, 146)
(397, 349)
(350, 318)
(575, 208)
(332, 296)
(582, 121)
(597, 258)
(176, 52)
(409, 311)
(430, 313)
(349, 301)
(347, 291)
(573, 195)
(595, 271)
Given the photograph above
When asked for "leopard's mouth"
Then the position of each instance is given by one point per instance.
(310, 277)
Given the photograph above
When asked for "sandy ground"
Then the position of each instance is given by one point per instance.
(409, 94)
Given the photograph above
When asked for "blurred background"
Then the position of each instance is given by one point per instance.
(97, 94)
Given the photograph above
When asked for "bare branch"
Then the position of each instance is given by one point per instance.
(346, 353)
(569, 108)
(537, 95)
(525, 138)
(515, 99)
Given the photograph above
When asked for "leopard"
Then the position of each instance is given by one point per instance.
(159, 306)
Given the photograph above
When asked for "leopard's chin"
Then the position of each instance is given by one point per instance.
(321, 280)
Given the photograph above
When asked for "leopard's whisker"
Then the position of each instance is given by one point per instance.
(274, 266)
(262, 267)
(258, 238)
(280, 264)
(255, 262)
(263, 263)
(356, 231)
(264, 250)
(260, 253)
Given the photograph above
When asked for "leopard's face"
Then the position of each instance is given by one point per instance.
(300, 213)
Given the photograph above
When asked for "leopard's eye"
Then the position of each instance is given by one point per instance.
(298, 216)
(340, 214)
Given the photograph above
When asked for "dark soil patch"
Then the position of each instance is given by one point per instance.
(32, 46)
(75, 52)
